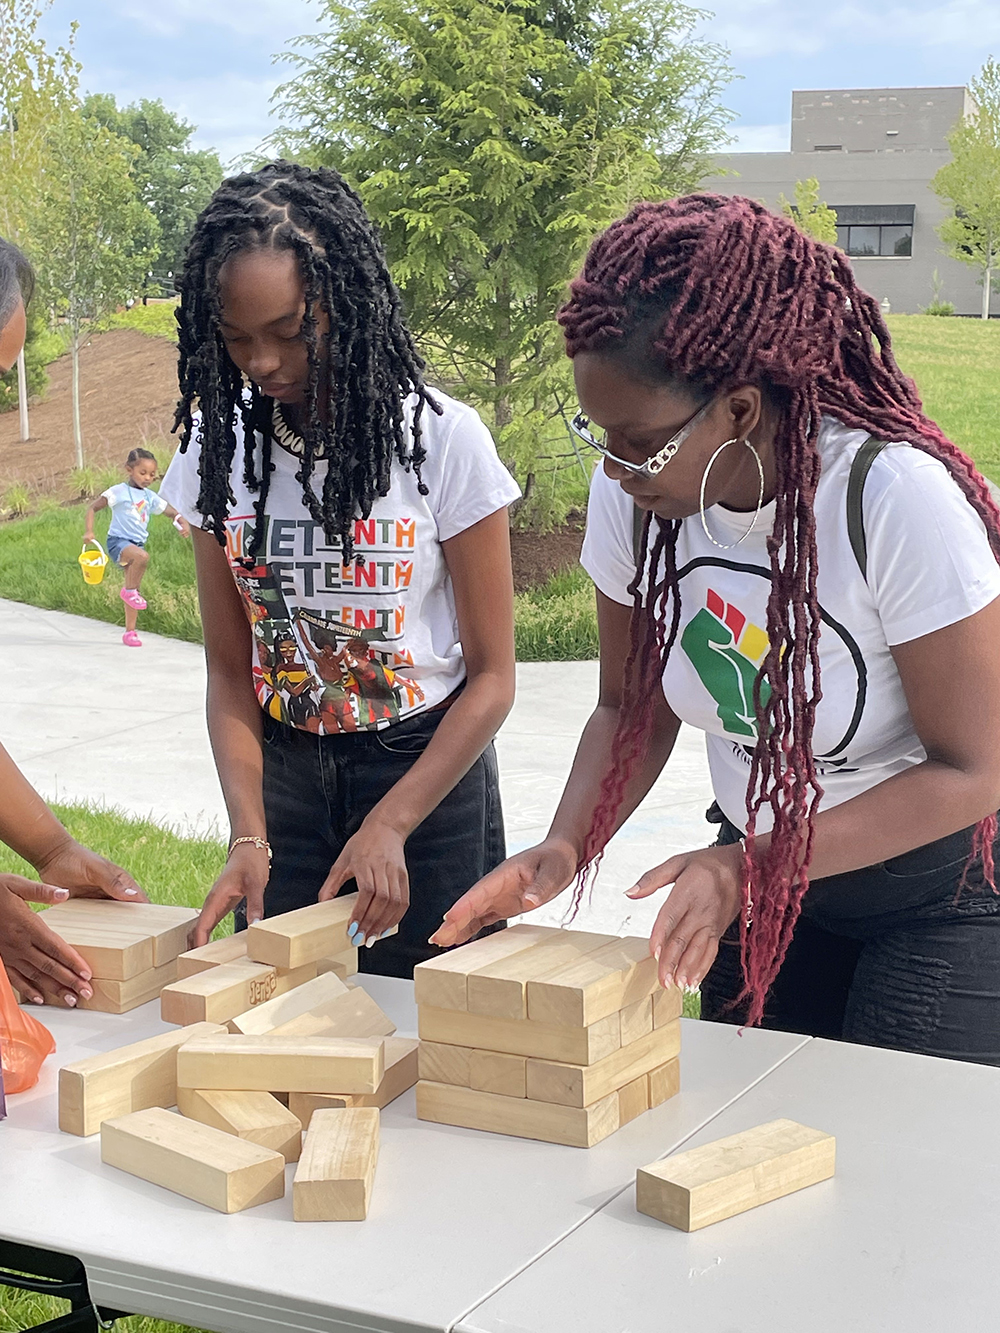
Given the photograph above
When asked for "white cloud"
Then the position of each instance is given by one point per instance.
(273, 21)
(760, 138)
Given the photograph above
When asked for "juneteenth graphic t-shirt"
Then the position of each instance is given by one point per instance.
(351, 647)
(929, 565)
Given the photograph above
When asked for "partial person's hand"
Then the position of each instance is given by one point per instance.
(703, 903)
(522, 883)
(38, 963)
(375, 860)
(86, 875)
(245, 875)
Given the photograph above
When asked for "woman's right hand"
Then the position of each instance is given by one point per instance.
(245, 876)
(522, 883)
(40, 965)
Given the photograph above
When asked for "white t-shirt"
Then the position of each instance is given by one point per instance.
(929, 565)
(352, 647)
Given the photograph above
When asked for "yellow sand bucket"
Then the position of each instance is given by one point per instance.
(92, 562)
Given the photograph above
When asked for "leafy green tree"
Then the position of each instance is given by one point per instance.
(491, 139)
(809, 213)
(175, 180)
(94, 238)
(971, 183)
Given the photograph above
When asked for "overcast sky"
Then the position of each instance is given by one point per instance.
(212, 60)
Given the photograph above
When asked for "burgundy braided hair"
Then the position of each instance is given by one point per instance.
(738, 295)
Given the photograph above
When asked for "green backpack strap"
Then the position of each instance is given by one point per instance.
(860, 468)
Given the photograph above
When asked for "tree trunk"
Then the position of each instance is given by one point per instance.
(987, 285)
(77, 432)
(22, 394)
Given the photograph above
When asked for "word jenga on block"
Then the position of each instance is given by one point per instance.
(560, 1035)
(132, 948)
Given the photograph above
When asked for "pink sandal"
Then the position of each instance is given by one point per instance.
(131, 598)
(131, 640)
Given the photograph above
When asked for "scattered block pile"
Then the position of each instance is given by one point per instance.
(132, 948)
(546, 1034)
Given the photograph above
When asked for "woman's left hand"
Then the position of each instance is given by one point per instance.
(87, 875)
(704, 901)
(374, 859)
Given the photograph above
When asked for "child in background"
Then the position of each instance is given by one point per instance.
(133, 504)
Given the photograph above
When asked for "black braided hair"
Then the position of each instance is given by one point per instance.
(371, 362)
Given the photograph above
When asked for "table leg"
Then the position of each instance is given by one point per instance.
(50, 1274)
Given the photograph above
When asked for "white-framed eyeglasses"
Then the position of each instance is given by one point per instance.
(580, 426)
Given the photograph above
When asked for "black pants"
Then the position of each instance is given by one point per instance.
(317, 792)
(891, 956)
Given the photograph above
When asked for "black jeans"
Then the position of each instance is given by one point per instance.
(317, 792)
(892, 955)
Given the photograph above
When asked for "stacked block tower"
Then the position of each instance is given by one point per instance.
(559, 1035)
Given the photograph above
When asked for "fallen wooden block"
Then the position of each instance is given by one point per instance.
(441, 1063)
(131, 1078)
(110, 952)
(546, 1041)
(600, 982)
(273, 1013)
(230, 949)
(577, 1127)
(282, 1064)
(355, 1014)
(195, 1160)
(664, 1082)
(498, 989)
(333, 1180)
(255, 1116)
(167, 927)
(220, 993)
(303, 936)
(118, 997)
(400, 1075)
(490, 1071)
(579, 1085)
(693, 1189)
(442, 982)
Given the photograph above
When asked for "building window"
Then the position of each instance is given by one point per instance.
(870, 231)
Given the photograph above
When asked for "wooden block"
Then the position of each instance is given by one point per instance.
(664, 1082)
(400, 1075)
(333, 1180)
(168, 927)
(302, 1000)
(354, 1014)
(303, 936)
(255, 1116)
(344, 964)
(693, 1189)
(489, 1071)
(217, 995)
(579, 1085)
(230, 949)
(118, 997)
(545, 1041)
(282, 1064)
(668, 1005)
(441, 982)
(599, 983)
(637, 1020)
(439, 1063)
(110, 951)
(576, 1127)
(633, 1099)
(131, 1078)
(498, 989)
(195, 1160)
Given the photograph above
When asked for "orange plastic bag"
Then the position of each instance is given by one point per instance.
(24, 1042)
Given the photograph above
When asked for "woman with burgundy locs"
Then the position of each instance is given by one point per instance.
(815, 586)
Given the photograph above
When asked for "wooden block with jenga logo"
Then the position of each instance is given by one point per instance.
(563, 1036)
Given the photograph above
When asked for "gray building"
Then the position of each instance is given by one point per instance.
(874, 152)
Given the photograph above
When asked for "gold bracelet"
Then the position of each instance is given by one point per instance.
(262, 843)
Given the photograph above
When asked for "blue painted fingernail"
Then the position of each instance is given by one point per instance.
(354, 933)
(387, 932)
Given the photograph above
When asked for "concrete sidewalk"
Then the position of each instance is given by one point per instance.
(93, 720)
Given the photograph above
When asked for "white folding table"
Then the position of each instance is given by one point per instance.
(455, 1215)
(901, 1240)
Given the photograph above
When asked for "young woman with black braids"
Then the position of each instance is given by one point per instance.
(824, 608)
(352, 548)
